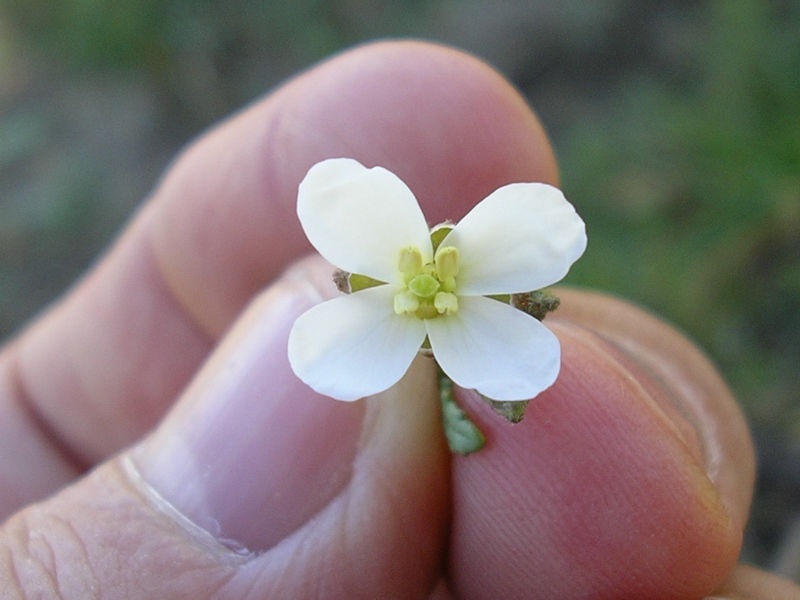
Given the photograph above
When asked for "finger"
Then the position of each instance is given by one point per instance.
(630, 477)
(253, 487)
(104, 364)
(749, 583)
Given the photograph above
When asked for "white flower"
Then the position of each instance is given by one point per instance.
(521, 238)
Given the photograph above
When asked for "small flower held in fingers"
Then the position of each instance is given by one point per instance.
(450, 289)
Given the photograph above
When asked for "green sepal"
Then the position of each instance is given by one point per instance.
(504, 298)
(513, 412)
(537, 303)
(440, 232)
(362, 282)
(463, 436)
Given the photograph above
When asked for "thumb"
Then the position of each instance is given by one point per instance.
(253, 486)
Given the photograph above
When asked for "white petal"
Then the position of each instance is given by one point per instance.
(354, 346)
(496, 349)
(359, 219)
(521, 238)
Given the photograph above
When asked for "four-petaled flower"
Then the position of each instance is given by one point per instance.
(430, 287)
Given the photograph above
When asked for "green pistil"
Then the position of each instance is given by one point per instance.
(424, 286)
(426, 310)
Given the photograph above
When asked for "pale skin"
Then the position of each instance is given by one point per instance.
(630, 478)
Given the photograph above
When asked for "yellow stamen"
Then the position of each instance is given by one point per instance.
(446, 303)
(410, 263)
(429, 289)
(446, 263)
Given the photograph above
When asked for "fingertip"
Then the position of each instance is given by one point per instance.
(450, 126)
(683, 382)
(596, 493)
(447, 123)
(254, 486)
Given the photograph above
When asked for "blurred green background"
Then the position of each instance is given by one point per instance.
(676, 122)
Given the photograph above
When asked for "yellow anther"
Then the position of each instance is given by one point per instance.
(410, 263)
(446, 303)
(446, 263)
(429, 288)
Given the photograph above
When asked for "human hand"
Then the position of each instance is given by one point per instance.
(630, 478)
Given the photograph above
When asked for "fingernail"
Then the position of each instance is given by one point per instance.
(250, 453)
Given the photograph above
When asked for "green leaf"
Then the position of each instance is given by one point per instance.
(463, 436)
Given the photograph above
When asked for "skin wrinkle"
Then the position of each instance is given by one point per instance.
(216, 310)
(9, 565)
(79, 562)
(67, 443)
(78, 548)
(669, 379)
(185, 256)
(278, 141)
(153, 499)
(14, 559)
(194, 322)
(30, 573)
(29, 409)
(704, 427)
(160, 541)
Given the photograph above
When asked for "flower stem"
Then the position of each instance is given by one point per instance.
(463, 436)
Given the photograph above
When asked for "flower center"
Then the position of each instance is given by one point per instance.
(429, 290)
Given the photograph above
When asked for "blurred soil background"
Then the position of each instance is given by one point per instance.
(676, 122)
